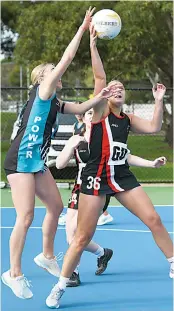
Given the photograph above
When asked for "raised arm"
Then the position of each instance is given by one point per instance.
(139, 125)
(137, 161)
(68, 151)
(85, 106)
(49, 84)
(97, 65)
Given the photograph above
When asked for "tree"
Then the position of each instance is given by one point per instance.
(50, 27)
(143, 49)
(10, 11)
(144, 46)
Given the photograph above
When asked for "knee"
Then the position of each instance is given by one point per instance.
(26, 220)
(154, 222)
(53, 211)
(57, 209)
(82, 240)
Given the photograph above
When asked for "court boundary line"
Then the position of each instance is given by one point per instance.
(41, 206)
(97, 229)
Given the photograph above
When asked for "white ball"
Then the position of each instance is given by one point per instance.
(107, 24)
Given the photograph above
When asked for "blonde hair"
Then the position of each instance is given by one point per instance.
(37, 73)
(114, 81)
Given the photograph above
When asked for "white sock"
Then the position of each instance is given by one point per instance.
(76, 270)
(171, 259)
(62, 282)
(99, 252)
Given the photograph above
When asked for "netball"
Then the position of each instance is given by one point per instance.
(107, 24)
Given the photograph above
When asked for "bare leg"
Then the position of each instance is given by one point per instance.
(137, 201)
(71, 226)
(85, 229)
(23, 195)
(48, 193)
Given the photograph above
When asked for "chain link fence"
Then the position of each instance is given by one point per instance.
(138, 101)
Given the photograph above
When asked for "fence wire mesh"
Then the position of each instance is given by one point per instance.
(138, 101)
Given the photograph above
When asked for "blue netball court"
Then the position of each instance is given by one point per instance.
(136, 279)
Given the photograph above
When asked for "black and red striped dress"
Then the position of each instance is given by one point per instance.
(107, 170)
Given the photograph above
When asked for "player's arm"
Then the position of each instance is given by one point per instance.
(137, 161)
(97, 65)
(98, 72)
(139, 125)
(85, 106)
(68, 151)
(49, 84)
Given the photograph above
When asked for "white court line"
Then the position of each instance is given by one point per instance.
(98, 229)
(160, 205)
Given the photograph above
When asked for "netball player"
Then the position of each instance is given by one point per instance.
(107, 172)
(79, 128)
(25, 164)
(78, 146)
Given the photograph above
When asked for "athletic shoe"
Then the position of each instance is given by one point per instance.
(104, 219)
(52, 300)
(19, 285)
(102, 262)
(62, 220)
(74, 280)
(50, 265)
(171, 274)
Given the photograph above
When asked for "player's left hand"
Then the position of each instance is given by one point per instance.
(107, 92)
(159, 162)
(88, 18)
(159, 91)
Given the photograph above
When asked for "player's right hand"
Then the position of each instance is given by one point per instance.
(88, 18)
(159, 162)
(76, 140)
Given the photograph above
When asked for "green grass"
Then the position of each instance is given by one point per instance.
(3, 154)
(158, 195)
(7, 121)
(151, 147)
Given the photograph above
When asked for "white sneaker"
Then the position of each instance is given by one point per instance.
(171, 274)
(52, 300)
(62, 220)
(19, 285)
(104, 219)
(50, 265)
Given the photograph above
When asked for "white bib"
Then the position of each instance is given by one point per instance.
(118, 153)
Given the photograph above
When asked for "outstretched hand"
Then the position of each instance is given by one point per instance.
(107, 92)
(93, 35)
(88, 18)
(159, 91)
(76, 140)
(159, 162)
